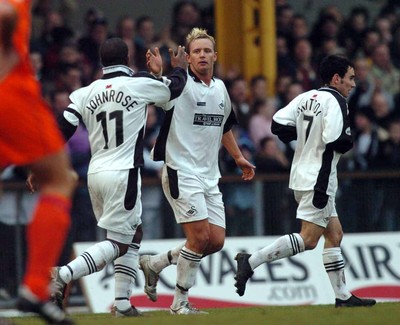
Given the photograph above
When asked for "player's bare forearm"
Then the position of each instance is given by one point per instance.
(230, 144)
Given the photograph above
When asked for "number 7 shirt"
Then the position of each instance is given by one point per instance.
(318, 120)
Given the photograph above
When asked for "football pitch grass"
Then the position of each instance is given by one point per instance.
(380, 314)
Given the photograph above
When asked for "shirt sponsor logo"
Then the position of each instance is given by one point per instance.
(201, 103)
(208, 119)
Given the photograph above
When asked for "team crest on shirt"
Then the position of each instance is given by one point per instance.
(191, 212)
(221, 104)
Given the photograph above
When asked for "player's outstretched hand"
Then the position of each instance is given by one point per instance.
(154, 62)
(247, 168)
(178, 59)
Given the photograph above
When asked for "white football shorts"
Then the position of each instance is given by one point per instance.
(193, 197)
(315, 207)
(116, 201)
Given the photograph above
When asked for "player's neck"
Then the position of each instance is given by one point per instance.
(8, 60)
(206, 78)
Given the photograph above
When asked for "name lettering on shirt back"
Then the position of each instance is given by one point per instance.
(110, 95)
(311, 105)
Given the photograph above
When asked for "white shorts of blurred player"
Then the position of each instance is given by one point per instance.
(116, 201)
(193, 197)
(315, 207)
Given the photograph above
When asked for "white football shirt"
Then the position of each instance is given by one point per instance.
(191, 134)
(114, 110)
(319, 118)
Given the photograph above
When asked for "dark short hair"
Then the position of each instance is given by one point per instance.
(331, 65)
(114, 51)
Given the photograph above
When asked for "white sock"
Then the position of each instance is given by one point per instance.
(334, 266)
(126, 267)
(187, 266)
(91, 261)
(284, 246)
(161, 261)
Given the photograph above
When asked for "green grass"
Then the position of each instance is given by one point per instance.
(381, 314)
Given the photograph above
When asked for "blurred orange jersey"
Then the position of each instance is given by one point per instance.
(23, 30)
(28, 130)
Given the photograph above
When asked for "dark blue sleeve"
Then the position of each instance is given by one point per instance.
(177, 76)
(285, 133)
(230, 121)
(66, 128)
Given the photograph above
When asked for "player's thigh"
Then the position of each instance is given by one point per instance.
(215, 205)
(28, 130)
(115, 197)
(53, 173)
(185, 194)
(314, 207)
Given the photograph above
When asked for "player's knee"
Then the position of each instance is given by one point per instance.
(310, 242)
(333, 239)
(123, 248)
(137, 239)
(199, 242)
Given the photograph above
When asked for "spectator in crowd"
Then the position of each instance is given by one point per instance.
(389, 159)
(285, 61)
(284, 20)
(126, 30)
(305, 69)
(239, 199)
(380, 109)
(327, 27)
(258, 88)
(384, 28)
(395, 47)
(353, 30)
(383, 70)
(238, 90)
(370, 40)
(69, 78)
(389, 149)
(367, 136)
(300, 27)
(269, 158)
(186, 14)
(89, 44)
(144, 40)
(37, 63)
(261, 120)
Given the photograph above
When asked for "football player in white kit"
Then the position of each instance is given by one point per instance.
(195, 125)
(318, 120)
(114, 110)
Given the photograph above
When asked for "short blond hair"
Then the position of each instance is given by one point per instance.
(198, 33)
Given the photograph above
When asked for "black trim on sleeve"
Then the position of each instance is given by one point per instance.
(178, 78)
(345, 141)
(161, 142)
(66, 128)
(230, 121)
(145, 74)
(285, 133)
